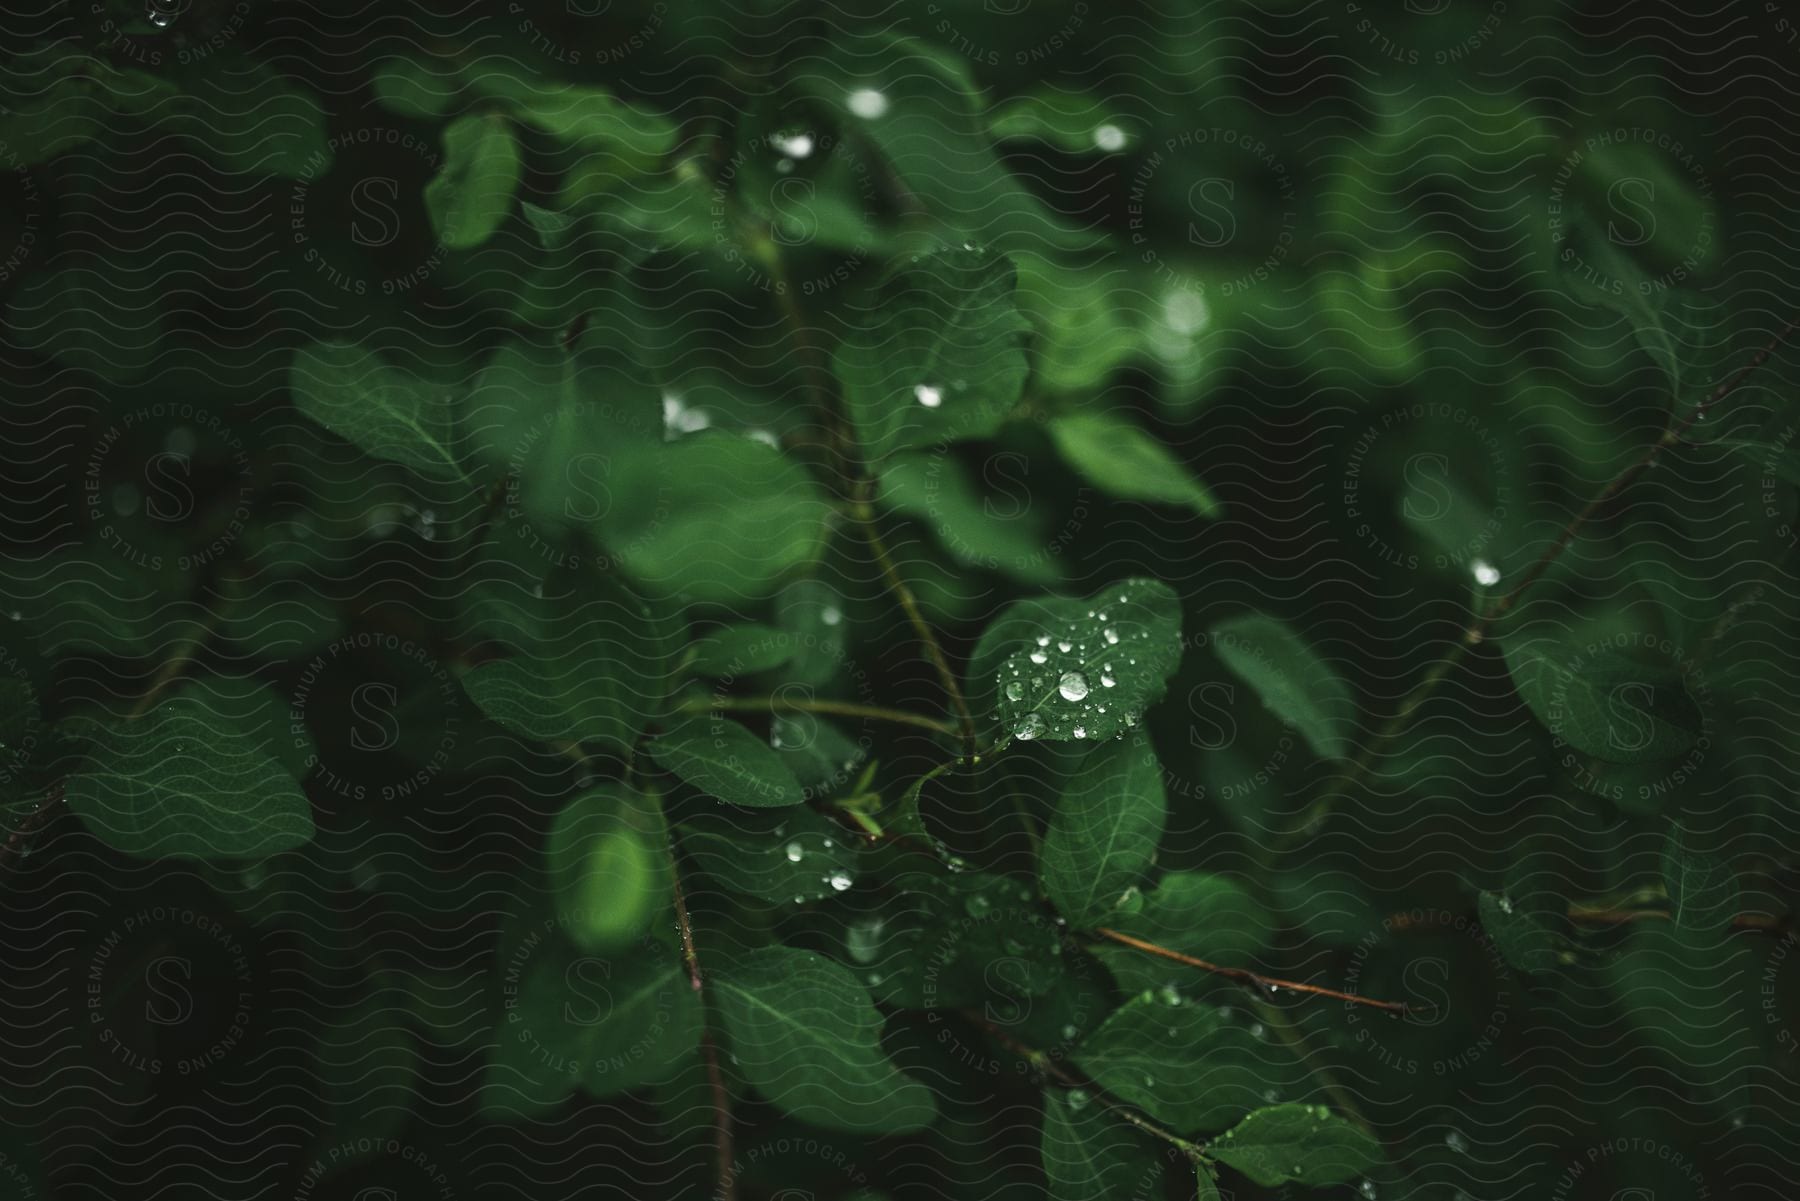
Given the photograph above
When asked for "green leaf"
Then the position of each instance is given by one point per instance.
(1195, 913)
(730, 652)
(385, 411)
(605, 1024)
(1306, 1144)
(1092, 1155)
(1123, 461)
(595, 119)
(608, 860)
(1523, 940)
(186, 780)
(1077, 669)
(1184, 1064)
(1070, 121)
(473, 191)
(806, 1036)
(937, 490)
(1206, 1182)
(938, 355)
(713, 517)
(724, 760)
(591, 663)
(1296, 685)
(1104, 833)
(790, 857)
(1703, 890)
(1616, 707)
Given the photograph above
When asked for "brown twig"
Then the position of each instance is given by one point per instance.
(721, 1096)
(1245, 976)
(1478, 630)
(1055, 1071)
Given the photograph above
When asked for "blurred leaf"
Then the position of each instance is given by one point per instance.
(1296, 685)
(724, 760)
(472, 192)
(938, 354)
(609, 863)
(1122, 460)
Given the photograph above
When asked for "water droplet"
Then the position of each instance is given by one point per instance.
(831, 615)
(867, 103)
(863, 941)
(1270, 1096)
(1170, 996)
(1030, 728)
(1455, 1141)
(159, 18)
(1258, 1032)
(794, 851)
(1367, 1189)
(1486, 574)
(1078, 1098)
(1130, 901)
(1043, 640)
(794, 145)
(1014, 690)
(977, 905)
(1106, 681)
(839, 880)
(1070, 1031)
(929, 396)
(1111, 635)
(1109, 138)
(1074, 686)
(1065, 647)
(1506, 905)
(1079, 731)
(1039, 657)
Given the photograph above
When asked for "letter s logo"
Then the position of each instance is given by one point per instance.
(1630, 198)
(1628, 707)
(1428, 979)
(793, 200)
(586, 475)
(1428, 496)
(170, 1003)
(1011, 496)
(1210, 202)
(166, 478)
(1209, 705)
(372, 705)
(377, 221)
(586, 981)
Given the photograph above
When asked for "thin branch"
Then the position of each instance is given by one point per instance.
(865, 519)
(777, 704)
(1478, 630)
(721, 1096)
(1055, 1071)
(1244, 976)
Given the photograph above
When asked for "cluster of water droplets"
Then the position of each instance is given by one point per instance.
(838, 879)
(1079, 666)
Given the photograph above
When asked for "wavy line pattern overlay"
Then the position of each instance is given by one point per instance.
(868, 601)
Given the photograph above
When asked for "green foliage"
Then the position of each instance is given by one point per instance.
(874, 602)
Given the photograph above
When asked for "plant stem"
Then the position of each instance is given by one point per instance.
(1055, 1071)
(1483, 624)
(776, 704)
(721, 1096)
(1245, 976)
(864, 512)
